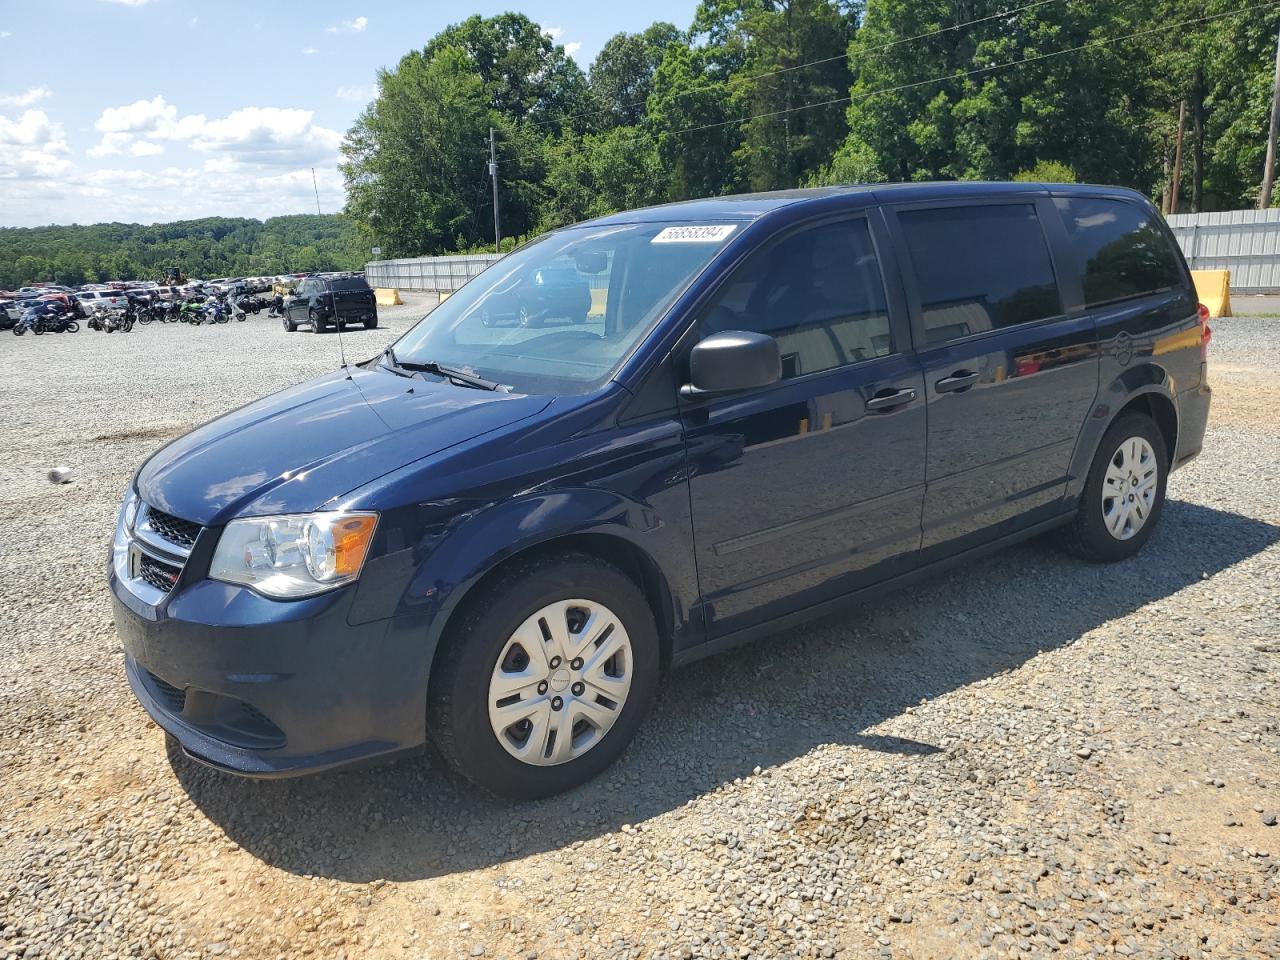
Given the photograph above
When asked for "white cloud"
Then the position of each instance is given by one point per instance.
(31, 147)
(357, 25)
(271, 136)
(572, 47)
(5, 34)
(309, 51)
(26, 98)
(255, 161)
(356, 94)
(553, 32)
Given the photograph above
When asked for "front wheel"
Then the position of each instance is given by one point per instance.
(73, 327)
(546, 677)
(1124, 494)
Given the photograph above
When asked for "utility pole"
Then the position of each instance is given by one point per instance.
(1268, 175)
(316, 187)
(493, 172)
(1177, 158)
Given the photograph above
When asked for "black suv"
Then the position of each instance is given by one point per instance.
(329, 302)
(502, 536)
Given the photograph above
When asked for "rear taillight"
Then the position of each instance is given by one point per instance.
(1206, 334)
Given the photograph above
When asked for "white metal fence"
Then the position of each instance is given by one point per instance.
(441, 274)
(1246, 242)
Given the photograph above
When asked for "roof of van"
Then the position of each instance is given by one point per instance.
(751, 206)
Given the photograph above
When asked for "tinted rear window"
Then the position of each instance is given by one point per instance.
(1120, 249)
(980, 268)
(348, 284)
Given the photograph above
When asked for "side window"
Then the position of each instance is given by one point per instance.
(818, 292)
(980, 268)
(1119, 248)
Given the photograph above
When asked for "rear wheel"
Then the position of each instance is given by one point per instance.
(371, 323)
(1124, 494)
(546, 677)
(317, 325)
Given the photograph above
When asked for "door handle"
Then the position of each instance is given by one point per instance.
(958, 381)
(889, 401)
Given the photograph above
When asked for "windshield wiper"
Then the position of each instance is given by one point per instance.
(458, 376)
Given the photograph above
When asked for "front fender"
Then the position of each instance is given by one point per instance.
(475, 543)
(1130, 383)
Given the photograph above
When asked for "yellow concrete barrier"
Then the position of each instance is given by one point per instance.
(387, 297)
(1213, 288)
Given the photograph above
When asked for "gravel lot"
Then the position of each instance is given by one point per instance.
(1031, 756)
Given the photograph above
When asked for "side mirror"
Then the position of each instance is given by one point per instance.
(731, 361)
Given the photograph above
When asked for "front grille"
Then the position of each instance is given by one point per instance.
(174, 529)
(157, 573)
(171, 697)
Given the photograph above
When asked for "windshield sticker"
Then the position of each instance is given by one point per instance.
(699, 234)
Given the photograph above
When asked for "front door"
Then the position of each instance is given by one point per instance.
(1010, 377)
(813, 486)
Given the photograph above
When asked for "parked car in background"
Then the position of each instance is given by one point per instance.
(325, 303)
(550, 293)
(501, 537)
(10, 313)
(109, 298)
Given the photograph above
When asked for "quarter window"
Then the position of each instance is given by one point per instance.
(1120, 250)
(818, 292)
(980, 268)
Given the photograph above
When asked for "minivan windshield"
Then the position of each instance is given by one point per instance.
(559, 315)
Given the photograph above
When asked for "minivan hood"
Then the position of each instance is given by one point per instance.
(294, 451)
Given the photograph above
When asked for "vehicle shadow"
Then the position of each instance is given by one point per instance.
(762, 705)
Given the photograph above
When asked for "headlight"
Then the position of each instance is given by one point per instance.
(294, 556)
(129, 509)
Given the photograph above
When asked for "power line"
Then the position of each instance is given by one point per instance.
(993, 68)
(1001, 15)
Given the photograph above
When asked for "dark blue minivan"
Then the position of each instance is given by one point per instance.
(500, 535)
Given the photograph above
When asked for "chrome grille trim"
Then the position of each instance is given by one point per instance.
(144, 530)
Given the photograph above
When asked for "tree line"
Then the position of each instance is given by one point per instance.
(771, 94)
(210, 247)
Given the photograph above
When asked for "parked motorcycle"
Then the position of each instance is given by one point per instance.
(106, 320)
(253, 305)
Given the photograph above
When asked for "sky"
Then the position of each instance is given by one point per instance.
(145, 111)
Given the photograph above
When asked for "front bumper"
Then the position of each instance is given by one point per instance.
(267, 688)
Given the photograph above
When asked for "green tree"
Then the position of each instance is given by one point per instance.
(599, 174)
(414, 160)
(1000, 105)
(621, 77)
(786, 64)
(692, 122)
(527, 76)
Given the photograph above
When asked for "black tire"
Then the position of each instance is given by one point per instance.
(458, 714)
(19, 330)
(1088, 536)
(317, 325)
(371, 324)
(73, 327)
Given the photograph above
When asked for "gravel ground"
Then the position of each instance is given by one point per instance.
(1029, 757)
